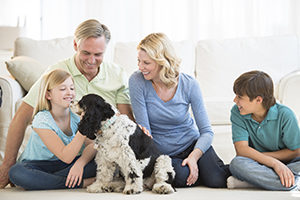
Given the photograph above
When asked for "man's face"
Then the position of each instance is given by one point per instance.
(89, 55)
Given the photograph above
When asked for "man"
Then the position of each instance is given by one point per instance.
(90, 75)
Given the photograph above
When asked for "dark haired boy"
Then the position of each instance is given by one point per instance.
(265, 134)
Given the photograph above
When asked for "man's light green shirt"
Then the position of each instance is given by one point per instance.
(111, 83)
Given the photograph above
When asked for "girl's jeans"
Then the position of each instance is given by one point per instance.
(262, 176)
(212, 171)
(46, 175)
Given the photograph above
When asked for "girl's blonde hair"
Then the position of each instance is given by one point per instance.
(48, 82)
(159, 48)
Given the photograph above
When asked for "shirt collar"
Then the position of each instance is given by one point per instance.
(75, 71)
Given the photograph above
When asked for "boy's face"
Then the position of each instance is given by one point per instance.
(246, 106)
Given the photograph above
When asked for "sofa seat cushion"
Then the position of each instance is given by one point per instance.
(25, 70)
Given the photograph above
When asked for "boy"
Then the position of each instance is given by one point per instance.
(266, 136)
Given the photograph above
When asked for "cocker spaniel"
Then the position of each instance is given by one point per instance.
(123, 146)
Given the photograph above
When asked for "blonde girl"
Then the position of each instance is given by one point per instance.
(57, 156)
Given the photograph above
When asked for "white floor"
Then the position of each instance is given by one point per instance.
(197, 193)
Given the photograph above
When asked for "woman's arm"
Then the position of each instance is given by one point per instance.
(65, 153)
(138, 103)
(201, 118)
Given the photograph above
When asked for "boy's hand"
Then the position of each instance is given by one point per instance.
(286, 176)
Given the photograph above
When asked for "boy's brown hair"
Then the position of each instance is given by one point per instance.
(256, 83)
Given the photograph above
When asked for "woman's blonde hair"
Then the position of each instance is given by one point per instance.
(159, 48)
(91, 28)
(48, 82)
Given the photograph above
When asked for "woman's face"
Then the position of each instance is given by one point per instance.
(149, 68)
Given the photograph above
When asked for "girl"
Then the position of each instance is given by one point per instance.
(55, 157)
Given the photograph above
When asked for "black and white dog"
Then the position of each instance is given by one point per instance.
(122, 144)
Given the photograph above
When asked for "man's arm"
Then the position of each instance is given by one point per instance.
(14, 140)
(126, 109)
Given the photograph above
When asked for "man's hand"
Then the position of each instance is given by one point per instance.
(4, 179)
(286, 176)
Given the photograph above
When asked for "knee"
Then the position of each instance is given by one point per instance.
(182, 173)
(237, 164)
(15, 174)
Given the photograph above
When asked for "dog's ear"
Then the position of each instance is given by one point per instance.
(90, 123)
(108, 112)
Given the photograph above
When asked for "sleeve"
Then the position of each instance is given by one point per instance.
(290, 129)
(42, 120)
(239, 129)
(122, 96)
(201, 118)
(137, 97)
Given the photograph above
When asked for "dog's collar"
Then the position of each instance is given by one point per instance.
(109, 122)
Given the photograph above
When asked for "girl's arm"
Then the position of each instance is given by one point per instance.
(65, 153)
(76, 172)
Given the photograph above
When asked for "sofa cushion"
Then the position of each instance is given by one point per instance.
(220, 62)
(47, 52)
(25, 70)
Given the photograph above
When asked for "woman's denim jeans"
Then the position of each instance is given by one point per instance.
(46, 175)
(212, 171)
(262, 176)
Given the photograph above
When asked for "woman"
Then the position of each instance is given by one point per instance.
(161, 98)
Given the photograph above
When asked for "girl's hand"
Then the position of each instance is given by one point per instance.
(192, 163)
(75, 175)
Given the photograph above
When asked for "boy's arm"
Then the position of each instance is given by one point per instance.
(284, 155)
(286, 176)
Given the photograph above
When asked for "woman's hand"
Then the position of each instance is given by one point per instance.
(75, 175)
(191, 161)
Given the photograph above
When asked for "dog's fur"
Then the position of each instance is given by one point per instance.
(122, 145)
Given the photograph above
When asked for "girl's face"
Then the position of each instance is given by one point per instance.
(148, 66)
(63, 94)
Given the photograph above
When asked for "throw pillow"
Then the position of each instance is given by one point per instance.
(25, 70)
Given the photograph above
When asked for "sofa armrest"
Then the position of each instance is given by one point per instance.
(10, 92)
(288, 93)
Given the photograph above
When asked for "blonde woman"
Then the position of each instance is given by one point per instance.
(161, 98)
(55, 157)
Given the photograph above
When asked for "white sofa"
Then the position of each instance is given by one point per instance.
(214, 63)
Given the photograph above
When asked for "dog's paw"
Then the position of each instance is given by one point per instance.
(97, 187)
(132, 189)
(162, 188)
(94, 188)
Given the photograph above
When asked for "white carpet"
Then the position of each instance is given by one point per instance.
(196, 193)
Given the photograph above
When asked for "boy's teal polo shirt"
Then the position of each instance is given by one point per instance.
(279, 130)
(111, 83)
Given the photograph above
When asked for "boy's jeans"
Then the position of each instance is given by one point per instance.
(262, 176)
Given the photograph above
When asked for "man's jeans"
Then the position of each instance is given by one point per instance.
(262, 176)
(46, 175)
